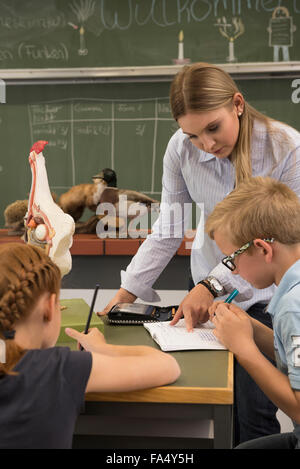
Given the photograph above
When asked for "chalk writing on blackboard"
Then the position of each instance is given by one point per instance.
(123, 15)
(83, 12)
(70, 124)
(281, 29)
(117, 33)
(231, 30)
(181, 60)
(31, 51)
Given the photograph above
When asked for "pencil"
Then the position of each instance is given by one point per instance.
(87, 326)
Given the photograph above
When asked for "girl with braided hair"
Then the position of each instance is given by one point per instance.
(42, 387)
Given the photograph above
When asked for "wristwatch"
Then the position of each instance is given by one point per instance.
(213, 285)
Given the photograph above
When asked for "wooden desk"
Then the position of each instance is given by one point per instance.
(159, 417)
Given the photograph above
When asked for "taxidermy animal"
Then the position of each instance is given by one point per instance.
(108, 175)
(15, 212)
(90, 196)
(84, 196)
(14, 217)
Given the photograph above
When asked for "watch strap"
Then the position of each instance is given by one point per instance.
(206, 284)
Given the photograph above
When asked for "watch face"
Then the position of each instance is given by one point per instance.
(216, 285)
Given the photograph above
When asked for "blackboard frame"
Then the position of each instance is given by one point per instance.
(241, 70)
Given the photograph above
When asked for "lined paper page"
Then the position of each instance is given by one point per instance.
(172, 338)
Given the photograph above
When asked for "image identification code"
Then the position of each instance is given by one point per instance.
(152, 458)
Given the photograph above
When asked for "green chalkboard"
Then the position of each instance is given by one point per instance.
(118, 33)
(89, 127)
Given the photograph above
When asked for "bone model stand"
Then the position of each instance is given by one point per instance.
(47, 226)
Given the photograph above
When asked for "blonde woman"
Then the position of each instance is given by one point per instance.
(221, 142)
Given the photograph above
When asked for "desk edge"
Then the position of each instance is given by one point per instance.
(174, 394)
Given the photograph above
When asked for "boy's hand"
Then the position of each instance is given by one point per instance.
(233, 328)
(93, 341)
(213, 307)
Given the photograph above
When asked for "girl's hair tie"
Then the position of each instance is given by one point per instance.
(9, 335)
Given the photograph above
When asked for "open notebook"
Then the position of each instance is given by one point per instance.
(172, 338)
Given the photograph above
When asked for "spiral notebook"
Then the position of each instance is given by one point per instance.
(172, 338)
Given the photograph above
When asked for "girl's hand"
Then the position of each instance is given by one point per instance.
(93, 341)
(233, 328)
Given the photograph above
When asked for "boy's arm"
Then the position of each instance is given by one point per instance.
(272, 382)
(234, 329)
(264, 338)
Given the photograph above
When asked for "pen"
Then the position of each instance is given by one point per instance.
(91, 312)
(231, 296)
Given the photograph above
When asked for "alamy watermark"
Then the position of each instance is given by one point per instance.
(136, 220)
(2, 91)
(296, 93)
(2, 351)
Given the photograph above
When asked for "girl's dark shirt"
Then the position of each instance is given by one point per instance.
(40, 405)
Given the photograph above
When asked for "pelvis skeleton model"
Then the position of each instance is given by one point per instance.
(47, 226)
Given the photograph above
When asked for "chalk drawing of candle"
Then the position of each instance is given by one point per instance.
(231, 31)
(181, 59)
(83, 12)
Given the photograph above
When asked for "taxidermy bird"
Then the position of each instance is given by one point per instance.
(84, 196)
(108, 175)
(102, 191)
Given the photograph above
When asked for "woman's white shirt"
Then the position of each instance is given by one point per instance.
(191, 175)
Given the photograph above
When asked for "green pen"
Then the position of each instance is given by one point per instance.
(231, 296)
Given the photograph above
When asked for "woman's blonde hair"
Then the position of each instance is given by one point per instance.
(203, 87)
(257, 208)
(26, 273)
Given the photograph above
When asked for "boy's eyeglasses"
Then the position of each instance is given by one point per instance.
(228, 260)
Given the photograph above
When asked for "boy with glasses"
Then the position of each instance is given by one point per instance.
(263, 217)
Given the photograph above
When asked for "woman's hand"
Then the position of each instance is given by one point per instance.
(122, 296)
(194, 307)
(233, 328)
(93, 341)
